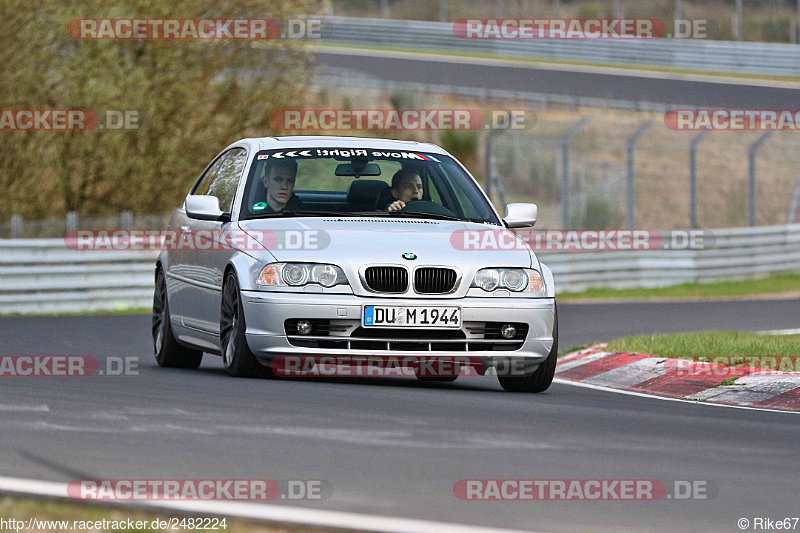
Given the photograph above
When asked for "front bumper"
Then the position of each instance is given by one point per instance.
(266, 313)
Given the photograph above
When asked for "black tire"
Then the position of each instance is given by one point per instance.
(540, 379)
(237, 358)
(169, 353)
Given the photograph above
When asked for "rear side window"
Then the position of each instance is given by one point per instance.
(205, 181)
(224, 185)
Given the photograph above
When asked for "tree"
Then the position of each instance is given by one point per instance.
(194, 97)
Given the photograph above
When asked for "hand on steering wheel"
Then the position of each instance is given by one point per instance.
(397, 205)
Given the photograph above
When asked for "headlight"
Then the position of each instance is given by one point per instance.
(299, 274)
(296, 275)
(487, 279)
(525, 280)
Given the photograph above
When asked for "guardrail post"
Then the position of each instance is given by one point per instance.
(798, 21)
(492, 182)
(795, 201)
(385, 13)
(488, 185)
(631, 191)
(499, 8)
(693, 177)
(16, 226)
(126, 220)
(72, 221)
(751, 176)
(489, 164)
(442, 10)
(565, 185)
(739, 17)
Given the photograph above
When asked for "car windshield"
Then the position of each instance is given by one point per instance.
(366, 182)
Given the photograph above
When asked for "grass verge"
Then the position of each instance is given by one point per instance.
(788, 284)
(729, 348)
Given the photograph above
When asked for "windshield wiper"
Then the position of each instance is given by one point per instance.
(302, 213)
(417, 214)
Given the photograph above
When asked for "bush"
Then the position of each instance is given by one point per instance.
(463, 145)
(600, 214)
(545, 181)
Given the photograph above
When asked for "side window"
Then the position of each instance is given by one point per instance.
(227, 180)
(205, 181)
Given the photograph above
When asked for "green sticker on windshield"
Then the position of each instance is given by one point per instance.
(259, 206)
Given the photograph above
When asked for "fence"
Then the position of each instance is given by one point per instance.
(601, 170)
(707, 55)
(617, 169)
(19, 228)
(43, 276)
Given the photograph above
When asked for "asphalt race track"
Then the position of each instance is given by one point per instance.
(395, 447)
(446, 70)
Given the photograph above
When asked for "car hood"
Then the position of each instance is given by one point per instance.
(353, 242)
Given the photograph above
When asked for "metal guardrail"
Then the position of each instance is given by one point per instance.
(44, 276)
(353, 80)
(708, 55)
(739, 253)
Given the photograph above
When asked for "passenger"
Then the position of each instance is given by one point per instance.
(406, 187)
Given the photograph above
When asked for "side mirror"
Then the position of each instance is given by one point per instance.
(204, 207)
(521, 215)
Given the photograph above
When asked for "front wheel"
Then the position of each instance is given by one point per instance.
(237, 358)
(169, 353)
(540, 379)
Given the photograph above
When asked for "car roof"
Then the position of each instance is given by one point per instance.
(325, 141)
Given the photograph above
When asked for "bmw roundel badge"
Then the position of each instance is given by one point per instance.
(409, 256)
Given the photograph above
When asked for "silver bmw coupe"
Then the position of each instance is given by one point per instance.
(340, 248)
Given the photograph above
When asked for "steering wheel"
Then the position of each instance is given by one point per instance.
(424, 206)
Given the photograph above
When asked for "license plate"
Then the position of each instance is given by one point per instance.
(387, 316)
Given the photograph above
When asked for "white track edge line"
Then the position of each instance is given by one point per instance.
(668, 398)
(795, 331)
(264, 512)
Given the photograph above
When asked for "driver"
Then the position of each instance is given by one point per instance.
(406, 187)
(279, 180)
